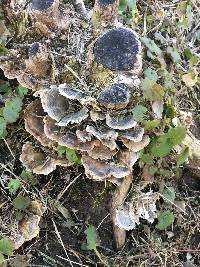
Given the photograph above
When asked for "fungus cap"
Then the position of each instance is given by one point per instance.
(34, 124)
(99, 170)
(41, 5)
(137, 146)
(134, 134)
(116, 97)
(54, 104)
(118, 49)
(120, 121)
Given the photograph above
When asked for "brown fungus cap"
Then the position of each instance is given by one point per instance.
(102, 133)
(35, 160)
(75, 117)
(134, 134)
(38, 63)
(99, 170)
(54, 133)
(101, 152)
(60, 109)
(137, 146)
(34, 124)
(128, 157)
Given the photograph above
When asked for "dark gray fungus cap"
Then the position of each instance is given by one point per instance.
(41, 5)
(116, 97)
(106, 2)
(117, 49)
(34, 49)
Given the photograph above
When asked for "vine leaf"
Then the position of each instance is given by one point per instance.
(91, 237)
(165, 219)
(21, 203)
(139, 113)
(169, 194)
(6, 246)
(14, 185)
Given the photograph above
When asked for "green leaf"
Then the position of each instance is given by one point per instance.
(91, 237)
(3, 51)
(193, 59)
(14, 185)
(153, 170)
(162, 146)
(165, 219)
(12, 109)
(2, 127)
(6, 246)
(198, 35)
(1, 258)
(183, 156)
(152, 46)
(21, 91)
(176, 135)
(5, 88)
(170, 111)
(151, 74)
(169, 194)
(174, 54)
(187, 53)
(29, 177)
(147, 158)
(84, 246)
(152, 90)
(139, 113)
(151, 124)
(61, 149)
(70, 154)
(21, 203)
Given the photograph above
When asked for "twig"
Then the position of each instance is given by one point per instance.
(61, 242)
(9, 148)
(103, 220)
(75, 75)
(77, 263)
(188, 250)
(66, 188)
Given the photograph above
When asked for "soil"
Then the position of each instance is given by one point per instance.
(88, 203)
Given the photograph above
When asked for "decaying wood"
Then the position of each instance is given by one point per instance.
(118, 199)
(193, 143)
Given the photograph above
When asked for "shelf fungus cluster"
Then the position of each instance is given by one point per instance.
(73, 109)
(28, 228)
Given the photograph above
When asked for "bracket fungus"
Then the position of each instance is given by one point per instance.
(37, 162)
(28, 227)
(47, 17)
(116, 97)
(119, 50)
(79, 112)
(144, 207)
(38, 63)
